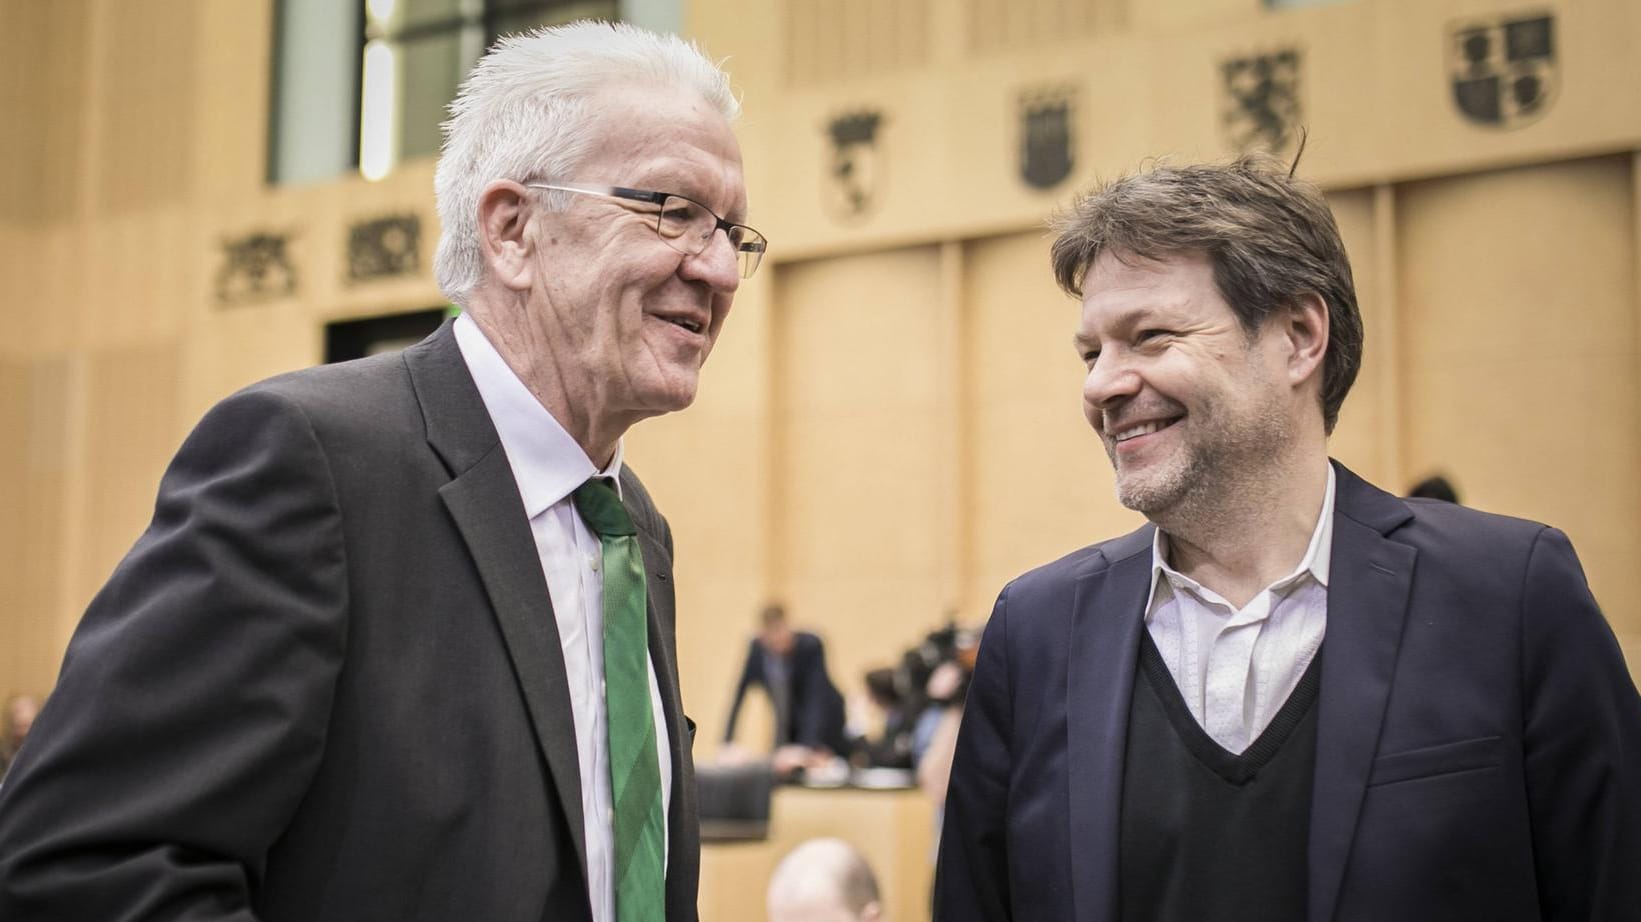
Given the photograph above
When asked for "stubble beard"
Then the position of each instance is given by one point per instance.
(1222, 468)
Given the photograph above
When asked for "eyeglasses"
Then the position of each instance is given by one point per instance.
(683, 223)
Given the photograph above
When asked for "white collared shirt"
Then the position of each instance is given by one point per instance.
(1236, 667)
(549, 465)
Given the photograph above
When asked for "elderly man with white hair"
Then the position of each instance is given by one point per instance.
(399, 642)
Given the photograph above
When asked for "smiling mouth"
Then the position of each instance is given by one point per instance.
(1134, 432)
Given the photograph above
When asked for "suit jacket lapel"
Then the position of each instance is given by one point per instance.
(1370, 577)
(1108, 614)
(483, 499)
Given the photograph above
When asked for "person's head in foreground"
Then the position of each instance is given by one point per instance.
(824, 880)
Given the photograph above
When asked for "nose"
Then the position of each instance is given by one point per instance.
(1110, 381)
(718, 265)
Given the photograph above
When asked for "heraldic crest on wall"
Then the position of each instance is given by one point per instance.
(1047, 146)
(384, 247)
(255, 267)
(1503, 69)
(1261, 100)
(856, 175)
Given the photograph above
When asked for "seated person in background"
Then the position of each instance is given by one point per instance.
(14, 726)
(824, 880)
(1436, 487)
(893, 746)
(809, 712)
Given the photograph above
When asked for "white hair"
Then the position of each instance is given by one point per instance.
(526, 111)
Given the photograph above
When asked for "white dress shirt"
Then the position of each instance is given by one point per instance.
(549, 465)
(1236, 667)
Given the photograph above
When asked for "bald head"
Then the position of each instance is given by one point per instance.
(824, 880)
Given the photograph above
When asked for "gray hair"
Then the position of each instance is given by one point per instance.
(1271, 237)
(527, 111)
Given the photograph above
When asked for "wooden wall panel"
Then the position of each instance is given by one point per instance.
(1012, 25)
(1042, 484)
(37, 402)
(131, 433)
(857, 453)
(1365, 421)
(144, 57)
(43, 48)
(1520, 336)
(833, 41)
(13, 466)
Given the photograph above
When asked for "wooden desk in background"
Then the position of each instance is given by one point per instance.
(893, 829)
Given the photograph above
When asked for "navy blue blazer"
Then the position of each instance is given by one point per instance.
(1478, 749)
(817, 710)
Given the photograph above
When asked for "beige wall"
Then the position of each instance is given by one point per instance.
(890, 427)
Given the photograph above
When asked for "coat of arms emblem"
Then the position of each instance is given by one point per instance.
(857, 166)
(1261, 100)
(1503, 70)
(1047, 150)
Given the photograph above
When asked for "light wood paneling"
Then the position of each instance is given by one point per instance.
(1365, 422)
(143, 55)
(131, 433)
(1519, 326)
(42, 53)
(1042, 483)
(858, 451)
(37, 411)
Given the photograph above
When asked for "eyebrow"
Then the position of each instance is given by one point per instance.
(1131, 317)
(673, 183)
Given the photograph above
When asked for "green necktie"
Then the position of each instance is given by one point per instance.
(635, 773)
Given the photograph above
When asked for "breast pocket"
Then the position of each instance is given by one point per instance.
(1435, 761)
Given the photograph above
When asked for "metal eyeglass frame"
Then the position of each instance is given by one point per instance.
(749, 249)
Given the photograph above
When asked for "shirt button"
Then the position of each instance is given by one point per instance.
(594, 562)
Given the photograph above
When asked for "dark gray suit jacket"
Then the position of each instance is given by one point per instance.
(327, 683)
(1478, 750)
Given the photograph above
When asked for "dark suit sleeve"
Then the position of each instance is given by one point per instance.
(192, 706)
(820, 717)
(971, 873)
(747, 678)
(1582, 745)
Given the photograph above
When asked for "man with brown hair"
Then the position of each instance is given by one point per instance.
(1291, 696)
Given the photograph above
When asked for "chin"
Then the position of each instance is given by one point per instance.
(671, 396)
(1148, 495)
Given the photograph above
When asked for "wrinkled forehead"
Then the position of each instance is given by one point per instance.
(666, 139)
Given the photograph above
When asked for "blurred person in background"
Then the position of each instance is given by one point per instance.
(790, 666)
(399, 641)
(15, 723)
(1434, 487)
(1290, 696)
(891, 747)
(824, 880)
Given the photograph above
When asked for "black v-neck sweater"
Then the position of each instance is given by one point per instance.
(1209, 835)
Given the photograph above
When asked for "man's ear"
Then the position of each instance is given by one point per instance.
(505, 212)
(1305, 327)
